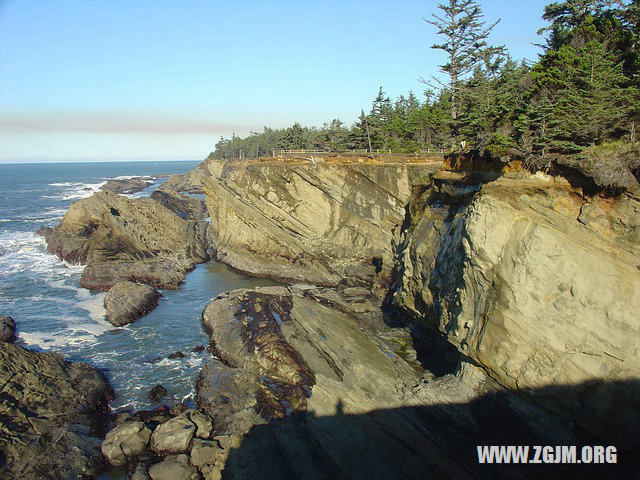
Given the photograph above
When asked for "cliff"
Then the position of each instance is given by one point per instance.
(536, 283)
(525, 275)
(322, 224)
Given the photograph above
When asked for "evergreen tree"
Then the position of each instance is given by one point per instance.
(465, 43)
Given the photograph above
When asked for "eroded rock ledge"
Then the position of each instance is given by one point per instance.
(317, 390)
(138, 240)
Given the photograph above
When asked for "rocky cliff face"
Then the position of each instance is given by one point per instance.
(131, 239)
(321, 224)
(537, 284)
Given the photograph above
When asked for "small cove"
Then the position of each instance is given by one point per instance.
(53, 313)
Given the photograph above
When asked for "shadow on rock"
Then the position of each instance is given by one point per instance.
(440, 441)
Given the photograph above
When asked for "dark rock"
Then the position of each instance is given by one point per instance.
(50, 411)
(178, 409)
(127, 301)
(157, 393)
(45, 232)
(176, 355)
(7, 330)
(185, 206)
(127, 186)
(199, 348)
(156, 416)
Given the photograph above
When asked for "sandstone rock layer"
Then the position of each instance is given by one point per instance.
(537, 284)
(298, 222)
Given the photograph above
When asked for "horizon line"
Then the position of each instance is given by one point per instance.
(33, 162)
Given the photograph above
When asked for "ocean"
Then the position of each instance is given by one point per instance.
(52, 313)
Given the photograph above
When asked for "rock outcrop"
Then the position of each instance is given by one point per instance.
(321, 224)
(313, 389)
(537, 284)
(128, 239)
(277, 345)
(188, 182)
(7, 330)
(126, 302)
(128, 186)
(51, 415)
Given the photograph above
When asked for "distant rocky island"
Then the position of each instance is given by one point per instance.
(428, 306)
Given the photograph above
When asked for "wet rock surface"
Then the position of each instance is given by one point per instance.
(126, 302)
(157, 393)
(51, 415)
(7, 330)
(122, 239)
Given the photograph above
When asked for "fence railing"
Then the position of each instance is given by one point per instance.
(363, 151)
(241, 154)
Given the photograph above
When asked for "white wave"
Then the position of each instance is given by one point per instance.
(74, 190)
(65, 184)
(94, 305)
(41, 298)
(146, 178)
(82, 191)
(25, 251)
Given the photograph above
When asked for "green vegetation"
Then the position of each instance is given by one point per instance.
(578, 105)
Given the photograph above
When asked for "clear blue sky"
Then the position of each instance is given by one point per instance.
(121, 80)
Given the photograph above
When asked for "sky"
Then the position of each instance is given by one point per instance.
(90, 80)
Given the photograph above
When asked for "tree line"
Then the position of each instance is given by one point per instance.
(578, 105)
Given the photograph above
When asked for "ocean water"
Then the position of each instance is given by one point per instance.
(53, 313)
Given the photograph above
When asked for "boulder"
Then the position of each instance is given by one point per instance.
(173, 436)
(50, 410)
(174, 467)
(204, 452)
(7, 330)
(157, 393)
(125, 442)
(126, 302)
(202, 422)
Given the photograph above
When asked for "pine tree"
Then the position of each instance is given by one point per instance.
(465, 43)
